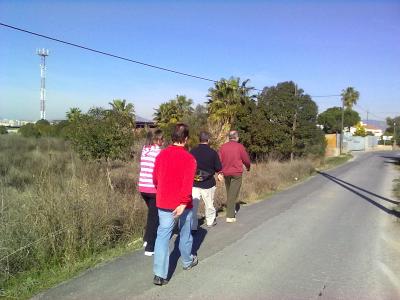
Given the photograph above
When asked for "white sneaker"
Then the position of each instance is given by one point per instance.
(148, 253)
(212, 224)
(230, 220)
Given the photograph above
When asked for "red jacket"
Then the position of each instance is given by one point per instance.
(233, 156)
(173, 177)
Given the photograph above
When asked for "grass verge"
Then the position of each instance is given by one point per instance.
(34, 281)
(331, 162)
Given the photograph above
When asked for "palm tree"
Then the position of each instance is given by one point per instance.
(183, 106)
(121, 106)
(225, 98)
(173, 111)
(125, 109)
(165, 114)
(350, 97)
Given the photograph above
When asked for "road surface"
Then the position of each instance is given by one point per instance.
(333, 236)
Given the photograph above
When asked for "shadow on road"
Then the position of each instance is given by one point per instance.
(392, 159)
(353, 188)
(198, 239)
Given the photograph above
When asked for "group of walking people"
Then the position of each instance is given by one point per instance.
(173, 181)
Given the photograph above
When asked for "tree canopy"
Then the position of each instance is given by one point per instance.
(225, 100)
(29, 130)
(293, 116)
(282, 122)
(391, 130)
(173, 111)
(127, 110)
(360, 130)
(103, 134)
(73, 114)
(331, 119)
(197, 121)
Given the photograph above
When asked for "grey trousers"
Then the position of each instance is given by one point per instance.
(232, 184)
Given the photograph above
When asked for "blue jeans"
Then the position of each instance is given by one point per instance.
(161, 249)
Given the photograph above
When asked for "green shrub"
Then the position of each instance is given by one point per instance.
(3, 129)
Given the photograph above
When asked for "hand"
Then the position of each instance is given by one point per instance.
(220, 177)
(179, 210)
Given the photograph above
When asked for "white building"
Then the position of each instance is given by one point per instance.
(373, 129)
(369, 128)
(13, 123)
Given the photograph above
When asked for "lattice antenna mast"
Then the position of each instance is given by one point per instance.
(42, 53)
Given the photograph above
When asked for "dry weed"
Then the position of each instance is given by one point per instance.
(265, 178)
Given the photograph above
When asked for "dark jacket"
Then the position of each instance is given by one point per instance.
(208, 163)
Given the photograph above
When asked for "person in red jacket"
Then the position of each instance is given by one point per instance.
(233, 156)
(173, 177)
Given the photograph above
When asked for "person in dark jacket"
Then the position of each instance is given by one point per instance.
(208, 163)
(233, 156)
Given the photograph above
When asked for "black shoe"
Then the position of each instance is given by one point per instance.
(159, 280)
(194, 263)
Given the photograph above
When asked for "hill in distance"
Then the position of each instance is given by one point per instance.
(380, 124)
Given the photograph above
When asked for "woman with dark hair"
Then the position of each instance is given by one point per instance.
(151, 149)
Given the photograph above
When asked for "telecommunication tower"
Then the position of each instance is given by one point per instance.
(42, 53)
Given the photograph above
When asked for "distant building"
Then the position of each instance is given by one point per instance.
(14, 123)
(372, 129)
(143, 123)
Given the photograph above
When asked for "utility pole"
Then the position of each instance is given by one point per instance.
(43, 53)
(341, 133)
(394, 135)
(294, 123)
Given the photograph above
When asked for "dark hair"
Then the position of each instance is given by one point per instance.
(151, 137)
(158, 135)
(180, 133)
(204, 136)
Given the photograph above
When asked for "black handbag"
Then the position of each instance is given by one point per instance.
(202, 175)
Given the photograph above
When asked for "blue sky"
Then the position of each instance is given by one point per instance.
(324, 46)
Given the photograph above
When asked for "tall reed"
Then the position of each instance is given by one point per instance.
(58, 209)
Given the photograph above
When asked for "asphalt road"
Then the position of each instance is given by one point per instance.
(333, 236)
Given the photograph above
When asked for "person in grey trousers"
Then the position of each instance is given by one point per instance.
(233, 157)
